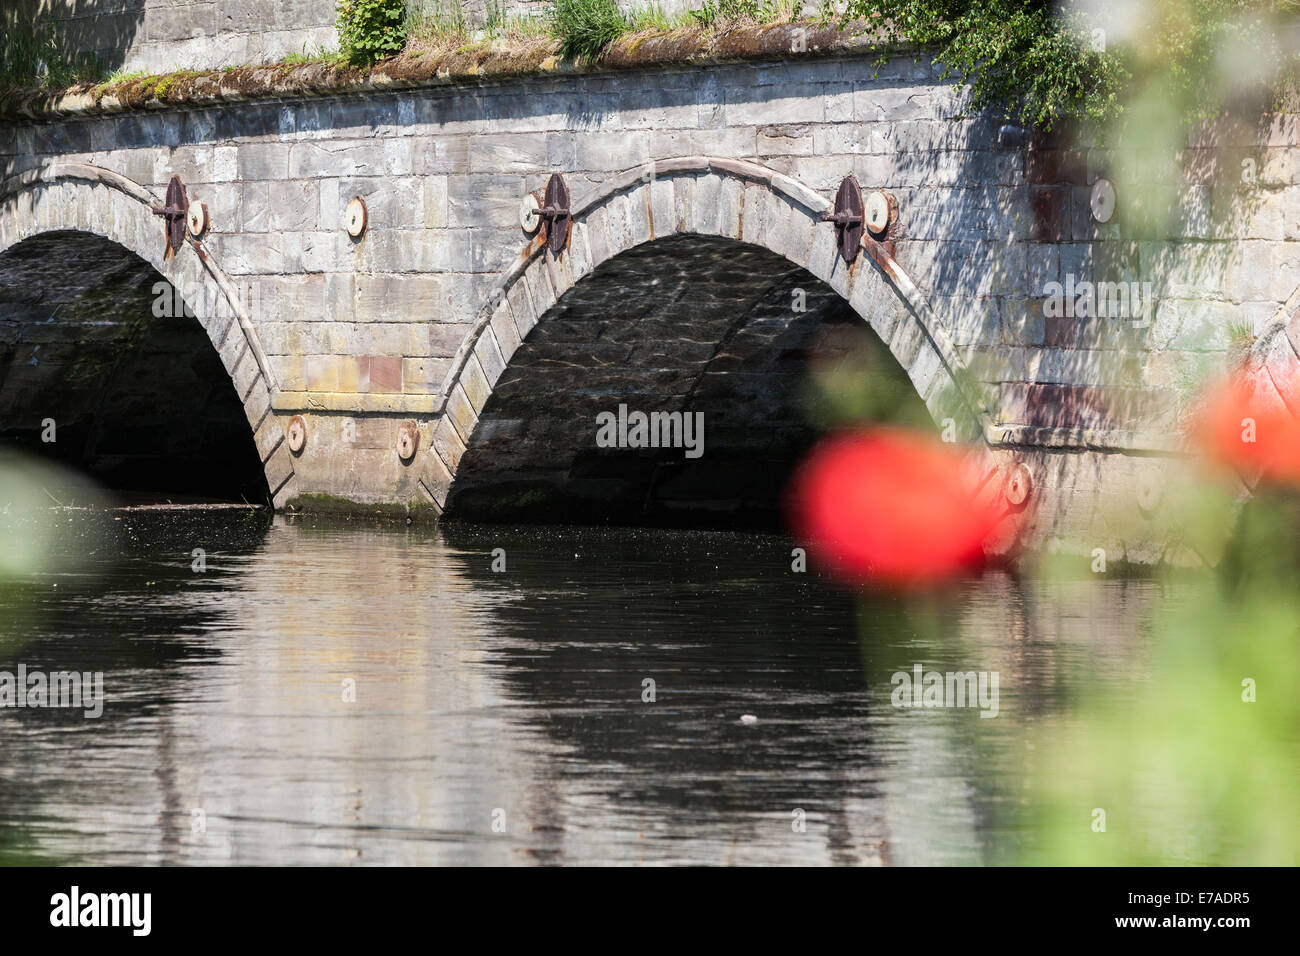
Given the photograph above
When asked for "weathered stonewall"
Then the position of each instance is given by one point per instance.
(711, 181)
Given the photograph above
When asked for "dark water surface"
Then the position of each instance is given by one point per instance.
(515, 698)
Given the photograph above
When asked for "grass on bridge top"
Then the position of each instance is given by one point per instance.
(444, 48)
(1022, 57)
(34, 57)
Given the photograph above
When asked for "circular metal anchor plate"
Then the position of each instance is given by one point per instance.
(296, 434)
(1019, 485)
(529, 220)
(1102, 200)
(198, 219)
(355, 217)
(408, 439)
(881, 211)
(1149, 492)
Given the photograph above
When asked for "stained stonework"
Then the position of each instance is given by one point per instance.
(699, 326)
(132, 396)
(424, 315)
(159, 36)
(78, 208)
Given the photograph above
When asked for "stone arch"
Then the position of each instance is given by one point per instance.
(77, 197)
(707, 197)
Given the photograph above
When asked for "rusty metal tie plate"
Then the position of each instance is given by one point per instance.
(175, 213)
(555, 213)
(848, 218)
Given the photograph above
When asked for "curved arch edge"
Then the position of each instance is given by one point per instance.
(782, 215)
(122, 211)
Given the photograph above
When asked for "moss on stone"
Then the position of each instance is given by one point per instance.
(444, 61)
(323, 504)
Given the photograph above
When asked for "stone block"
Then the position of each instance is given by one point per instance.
(447, 444)
(263, 161)
(489, 355)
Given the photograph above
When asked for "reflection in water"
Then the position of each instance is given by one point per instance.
(515, 696)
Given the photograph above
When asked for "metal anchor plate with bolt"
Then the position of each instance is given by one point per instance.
(175, 214)
(848, 218)
(555, 214)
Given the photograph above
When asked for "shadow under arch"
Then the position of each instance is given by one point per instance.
(710, 340)
(773, 228)
(71, 210)
(104, 369)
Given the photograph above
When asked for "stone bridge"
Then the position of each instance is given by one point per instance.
(444, 359)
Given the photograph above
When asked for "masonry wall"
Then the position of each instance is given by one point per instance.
(165, 35)
(141, 400)
(159, 36)
(987, 222)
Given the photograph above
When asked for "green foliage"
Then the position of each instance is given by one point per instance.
(825, 13)
(1013, 54)
(501, 23)
(370, 30)
(36, 55)
(497, 18)
(1241, 335)
(653, 17)
(586, 27)
(1202, 57)
(1192, 755)
(116, 77)
(444, 20)
(437, 18)
(1038, 61)
(718, 13)
(300, 57)
(1041, 64)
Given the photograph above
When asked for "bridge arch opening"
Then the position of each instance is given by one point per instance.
(104, 368)
(712, 340)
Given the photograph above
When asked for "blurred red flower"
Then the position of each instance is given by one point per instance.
(1245, 425)
(891, 506)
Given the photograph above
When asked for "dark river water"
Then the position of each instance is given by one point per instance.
(329, 692)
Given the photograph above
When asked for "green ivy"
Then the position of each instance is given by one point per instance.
(370, 30)
(1014, 54)
(1041, 62)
